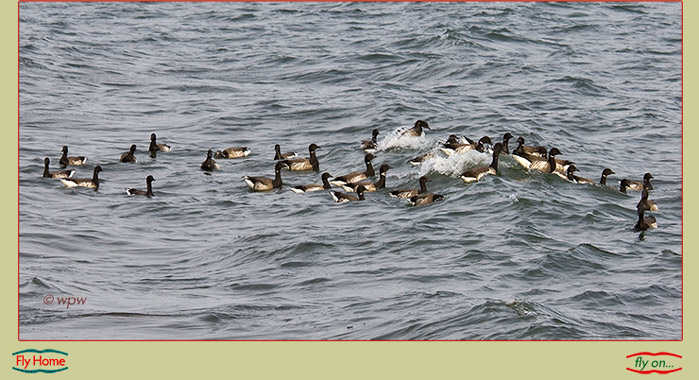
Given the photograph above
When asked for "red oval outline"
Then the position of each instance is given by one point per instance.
(654, 370)
(656, 354)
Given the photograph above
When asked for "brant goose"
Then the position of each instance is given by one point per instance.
(645, 203)
(76, 160)
(524, 155)
(575, 179)
(278, 155)
(424, 199)
(644, 222)
(342, 197)
(304, 164)
(155, 147)
(416, 130)
(505, 141)
(548, 165)
(368, 185)
(235, 152)
(91, 183)
(356, 176)
(209, 164)
(129, 157)
(264, 183)
(314, 187)
(56, 174)
(476, 174)
(371, 144)
(420, 159)
(409, 193)
(638, 185)
(605, 173)
(450, 148)
(149, 188)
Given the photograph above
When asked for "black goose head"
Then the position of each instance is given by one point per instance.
(554, 152)
(132, 149)
(152, 137)
(623, 185)
(64, 149)
(374, 133)
(368, 157)
(506, 137)
(209, 154)
(452, 139)
(607, 171)
(572, 168)
(278, 167)
(360, 191)
(384, 168)
(312, 148)
(150, 179)
(97, 170)
(424, 179)
(520, 140)
(46, 162)
(422, 124)
(647, 177)
(325, 176)
(485, 140)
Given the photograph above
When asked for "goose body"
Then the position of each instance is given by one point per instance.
(356, 176)
(313, 187)
(546, 166)
(371, 144)
(129, 157)
(640, 185)
(90, 183)
(525, 155)
(417, 129)
(304, 164)
(56, 174)
(264, 183)
(644, 222)
(476, 174)
(409, 193)
(147, 193)
(209, 164)
(278, 155)
(450, 149)
(76, 160)
(424, 199)
(368, 185)
(155, 147)
(420, 159)
(344, 198)
(234, 152)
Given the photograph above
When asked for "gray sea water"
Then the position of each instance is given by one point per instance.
(516, 256)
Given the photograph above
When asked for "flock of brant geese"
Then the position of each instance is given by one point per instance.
(530, 157)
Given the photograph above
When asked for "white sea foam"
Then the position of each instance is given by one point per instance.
(455, 164)
(396, 140)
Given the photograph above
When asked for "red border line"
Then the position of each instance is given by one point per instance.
(653, 371)
(655, 354)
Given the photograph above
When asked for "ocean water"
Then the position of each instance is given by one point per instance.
(516, 256)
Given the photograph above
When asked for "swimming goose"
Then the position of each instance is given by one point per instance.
(342, 197)
(424, 199)
(304, 164)
(371, 144)
(155, 147)
(91, 183)
(623, 185)
(638, 185)
(310, 188)
(450, 149)
(356, 176)
(524, 155)
(209, 164)
(644, 222)
(476, 174)
(575, 179)
(420, 159)
(605, 173)
(76, 160)
(235, 152)
(645, 203)
(505, 141)
(149, 188)
(548, 165)
(416, 130)
(264, 183)
(129, 157)
(278, 155)
(56, 174)
(409, 193)
(368, 185)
